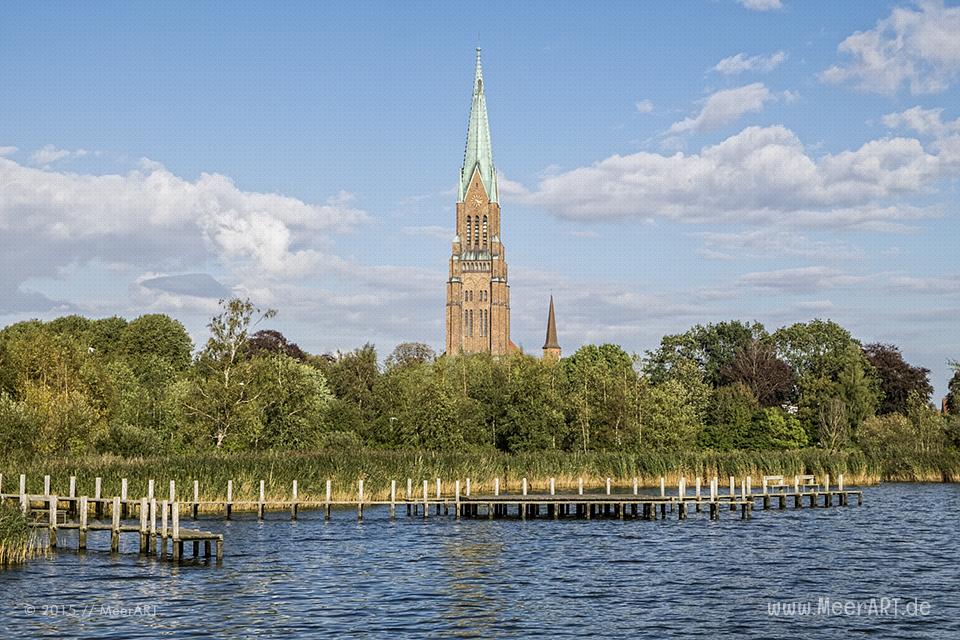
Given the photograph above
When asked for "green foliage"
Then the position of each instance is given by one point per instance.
(156, 335)
(710, 348)
(730, 418)
(773, 429)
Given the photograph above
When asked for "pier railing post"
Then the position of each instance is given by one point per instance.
(608, 486)
(46, 485)
(749, 488)
(82, 537)
(840, 482)
(53, 521)
(72, 505)
(426, 499)
(260, 502)
(467, 488)
(293, 501)
(523, 506)
(150, 487)
(796, 484)
(164, 531)
(579, 486)
(636, 487)
(173, 491)
(496, 486)
(153, 526)
(123, 497)
(115, 525)
(553, 486)
(409, 496)
(438, 496)
(663, 487)
(228, 507)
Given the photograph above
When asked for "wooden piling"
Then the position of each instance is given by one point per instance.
(608, 486)
(467, 488)
(438, 496)
(580, 486)
(260, 503)
(115, 528)
(24, 503)
(144, 530)
(52, 501)
(150, 488)
(293, 501)
(153, 526)
(327, 507)
(164, 514)
(173, 491)
(663, 487)
(195, 506)
(393, 498)
(457, 499)
(360, 499)
(409, 496)
(177, 545)
(72, 505)
(97, 504)
(123, 497)
(82, 535)
(46, 485)
(426, 499)
(228, 506)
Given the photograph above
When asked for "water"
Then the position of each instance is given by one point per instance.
(477, 578)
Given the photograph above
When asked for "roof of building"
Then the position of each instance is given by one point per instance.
(479, 152)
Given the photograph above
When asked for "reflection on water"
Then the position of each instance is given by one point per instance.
(478, 578)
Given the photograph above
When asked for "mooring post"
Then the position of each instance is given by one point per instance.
(175, 520)
(749, 488)
(523, 506)
(438, 496)
(496, 486)
(733, 493)
(796, 484)
(72, 505)
(697, 493)
(144, 531)
(360, 499)
(663, 487)
(150, 487)
(97, 502)
(293, 501)
(115, 527)
(393, 498)
(608, 486)
(153, 526)
(553, 486)
(580, 486)
(329, 494)
(195, 507)
(173, 490)
(636, 486)
(426, 499)
(457, 499)
(743, 488)
(24, 503)
(164, 515)
(82, 538)
(682, 488)
(46, 485)
(260, 501)
(228, 505)
(467, 488)
(53, 521)
(409, 496)
(123, 497)
(713, 489)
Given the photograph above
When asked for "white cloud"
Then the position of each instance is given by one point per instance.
(740, 63)
(918, 47)
(761, 5)
(926, 122)
(724, 107)
(801, 280)
(50, 154)
(6, 151)
(760, 175)
(767, 243)
(644, 106)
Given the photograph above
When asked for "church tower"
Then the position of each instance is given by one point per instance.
(478, 296)
(551, 348)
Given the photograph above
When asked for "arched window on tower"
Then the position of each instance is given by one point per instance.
(484, 230)
(469, 229)
(476, 230)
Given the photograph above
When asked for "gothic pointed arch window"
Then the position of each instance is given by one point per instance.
(469, 229)
(476, 230)
(484, 230)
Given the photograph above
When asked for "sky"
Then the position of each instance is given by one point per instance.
(660, 164)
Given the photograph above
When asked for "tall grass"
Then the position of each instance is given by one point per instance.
(378, 467)
(17, 542)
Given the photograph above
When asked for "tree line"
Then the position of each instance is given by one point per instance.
(76, 385)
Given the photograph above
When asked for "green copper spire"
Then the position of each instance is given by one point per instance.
(479, 152)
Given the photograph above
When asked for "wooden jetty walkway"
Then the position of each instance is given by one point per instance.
(418, 500)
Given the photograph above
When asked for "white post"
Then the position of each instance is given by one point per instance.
(196, 492)
(393, 498)
(46, 485)
(524, 486)
(608, 486)
(796, 484)
(553, 491)
(73, 486)
(164, 511)
(173, 490)
(698, 487)
(468, 487)
(176, 521)
(764, 485)
(682, 488)
(229, 491)
(663, 487)
(23, 493)
(636, 487)
(496, 486)
(360, 491)
(438, 488)
(580, 486)
(426, 498)
(296, 489)
(329, 491)
(749, 488)
(409, 488)
(713, 489)
(733, 487)
(743, 488)
(826, 482)
(456, 499)
(840, 482)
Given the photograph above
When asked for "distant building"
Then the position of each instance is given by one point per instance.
(478, 295)
(551, 348)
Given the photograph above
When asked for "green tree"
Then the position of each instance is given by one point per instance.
(898, 379)
(730, 418)
(710, 347)
(773, 429)
(294, 400)
(156, 335)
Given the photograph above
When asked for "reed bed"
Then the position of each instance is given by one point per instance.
(17, 542)
(377, 468)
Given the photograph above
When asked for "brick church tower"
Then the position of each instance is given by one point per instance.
(478, 296)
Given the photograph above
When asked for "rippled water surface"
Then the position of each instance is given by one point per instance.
(508, 578)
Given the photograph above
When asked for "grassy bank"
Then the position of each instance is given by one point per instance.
(17, 542)
(378, 468)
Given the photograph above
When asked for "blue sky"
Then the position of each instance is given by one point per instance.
(661, 165)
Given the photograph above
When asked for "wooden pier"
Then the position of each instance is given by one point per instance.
(419, 500)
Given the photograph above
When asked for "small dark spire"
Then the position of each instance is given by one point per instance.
(551, 342)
